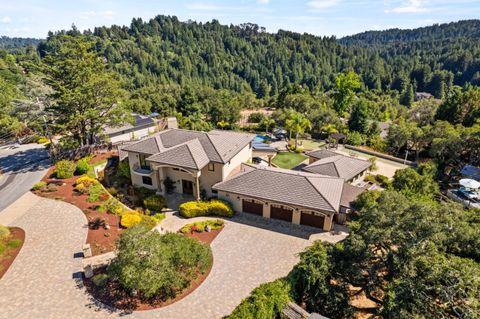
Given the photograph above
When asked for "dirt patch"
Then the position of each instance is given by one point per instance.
(7, 258)
(101, 240)
(113, 295)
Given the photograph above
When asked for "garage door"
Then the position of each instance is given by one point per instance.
(252, 208)
(281, 213)
(312, 220)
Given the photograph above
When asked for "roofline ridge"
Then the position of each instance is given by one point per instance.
(214, 147)
(326, 200)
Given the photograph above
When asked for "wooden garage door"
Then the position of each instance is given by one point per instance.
(312, 220)
(281, 213)
(252, 208)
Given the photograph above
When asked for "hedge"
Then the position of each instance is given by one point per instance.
(206, 208)
(154, 203)
(65, 169)
(82, 166)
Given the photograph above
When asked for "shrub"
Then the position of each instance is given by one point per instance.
(256, 117)
(382, 180)
(42, 140)
(95, 193)
(200, 226)
(265, 301)
(112, 190)
(14, 243)
(370, 178)
(154, 203)
(299, 150)
(124, 169)
(2, 248)
(158, 217)
(158, 265)
(86, 181)
(39, 186)
(81, 188)
(131, 219)
(100, 280)
(64, 169)
(4, 233)
(82, 166)
(201, 208)
(113, 206)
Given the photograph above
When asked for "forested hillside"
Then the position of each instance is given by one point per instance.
(18, 43)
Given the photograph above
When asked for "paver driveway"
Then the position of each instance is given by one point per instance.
(41, 283)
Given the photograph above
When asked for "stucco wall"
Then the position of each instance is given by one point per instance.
(177, 177)
(243, 156)
(137, 178)
(137, 134)
(209, 178)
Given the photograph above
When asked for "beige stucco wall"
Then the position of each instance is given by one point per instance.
(177, 177)
(137, 178)
(209, 178)
(243, 156)
(236, 201)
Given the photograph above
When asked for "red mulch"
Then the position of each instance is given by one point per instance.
(10, 254)
(101, 156)
(101, 240)
(115, 296)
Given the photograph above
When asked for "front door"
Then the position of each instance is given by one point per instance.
(187, 187)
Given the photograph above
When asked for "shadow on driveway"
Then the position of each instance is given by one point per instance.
(30, 160)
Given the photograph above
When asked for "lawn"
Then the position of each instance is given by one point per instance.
(312, 144)
(288, 160)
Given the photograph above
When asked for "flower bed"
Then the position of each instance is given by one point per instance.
(11, 242)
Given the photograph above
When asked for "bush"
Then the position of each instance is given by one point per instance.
(201, 208)
(124, 169)
(42, 140)
(2, 248)
(299, 150)
(112, 190)
(131, 219)
(82, 166)
(382, 180)
(256, 117)
(39, 186)
(81, 188)
(4, 233)
(14, 243)
(86, 181)
(158, 265)
(112, 206)
(356, 139)
(200, 226)
(96, 192)
(154, 203)
(266, 301)
(220, 208)
(100, 280)
(65, 169)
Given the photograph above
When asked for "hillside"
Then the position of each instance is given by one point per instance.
(17, 43)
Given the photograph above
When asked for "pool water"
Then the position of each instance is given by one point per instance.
(261, 139)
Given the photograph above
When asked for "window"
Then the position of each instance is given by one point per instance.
(147, 180)
(143, 162)
(214, 191)
(211, 167)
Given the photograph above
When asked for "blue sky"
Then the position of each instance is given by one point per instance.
(34, 18)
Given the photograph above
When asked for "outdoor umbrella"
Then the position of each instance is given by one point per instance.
(469, 183)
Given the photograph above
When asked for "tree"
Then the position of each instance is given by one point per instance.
(267, 122)
(358, 121)
(156, 265)
(411, 183)
(461, 107)
(86, 96)
(298, 123)
(345, 85)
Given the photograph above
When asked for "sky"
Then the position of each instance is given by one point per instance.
(34, 18)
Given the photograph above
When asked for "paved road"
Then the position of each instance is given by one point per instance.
(21, 166)
(43, 280)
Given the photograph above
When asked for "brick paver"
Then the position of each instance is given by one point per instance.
(42, 282)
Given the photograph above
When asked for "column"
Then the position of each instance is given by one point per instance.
(266, 210)
(197, 186)
(296, 217)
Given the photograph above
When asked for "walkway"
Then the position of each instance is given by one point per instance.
(43, 281)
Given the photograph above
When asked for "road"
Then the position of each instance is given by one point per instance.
(21, 166)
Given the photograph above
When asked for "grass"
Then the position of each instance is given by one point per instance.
(288, 160)
(312, 144)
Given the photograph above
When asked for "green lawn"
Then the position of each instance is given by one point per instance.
(288, 159)
(312, 144)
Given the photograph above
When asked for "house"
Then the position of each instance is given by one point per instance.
(422, 96)
(470, 171)
(188, 162)
(297, 197)
(142, 126)
(329, 163)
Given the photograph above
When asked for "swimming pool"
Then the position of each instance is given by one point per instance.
(261, 139)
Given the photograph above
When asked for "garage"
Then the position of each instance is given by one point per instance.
(252, 208)
(312, 220)
(281, 213)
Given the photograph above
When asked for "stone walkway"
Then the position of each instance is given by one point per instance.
(43, 281)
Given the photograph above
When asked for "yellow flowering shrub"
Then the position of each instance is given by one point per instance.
(130, 219)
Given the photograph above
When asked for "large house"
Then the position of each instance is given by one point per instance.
(329, 163)
(214, 164)
(192, 162)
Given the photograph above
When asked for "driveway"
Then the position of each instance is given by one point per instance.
(21, 166)
(43, 281)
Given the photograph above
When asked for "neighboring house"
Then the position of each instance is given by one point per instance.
(143, 126)
(329, 163)
(191, 161)
(422, 96)
(293, 196)
(470, 171)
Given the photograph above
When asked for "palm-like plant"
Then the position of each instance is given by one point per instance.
(298, 123)
(222, 124)
(267, 122)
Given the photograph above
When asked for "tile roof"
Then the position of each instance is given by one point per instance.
(219, 146)
(140, 121)
(320, 154)
(336, 165)
(302, 189)
(189, 155)
(350, 194)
